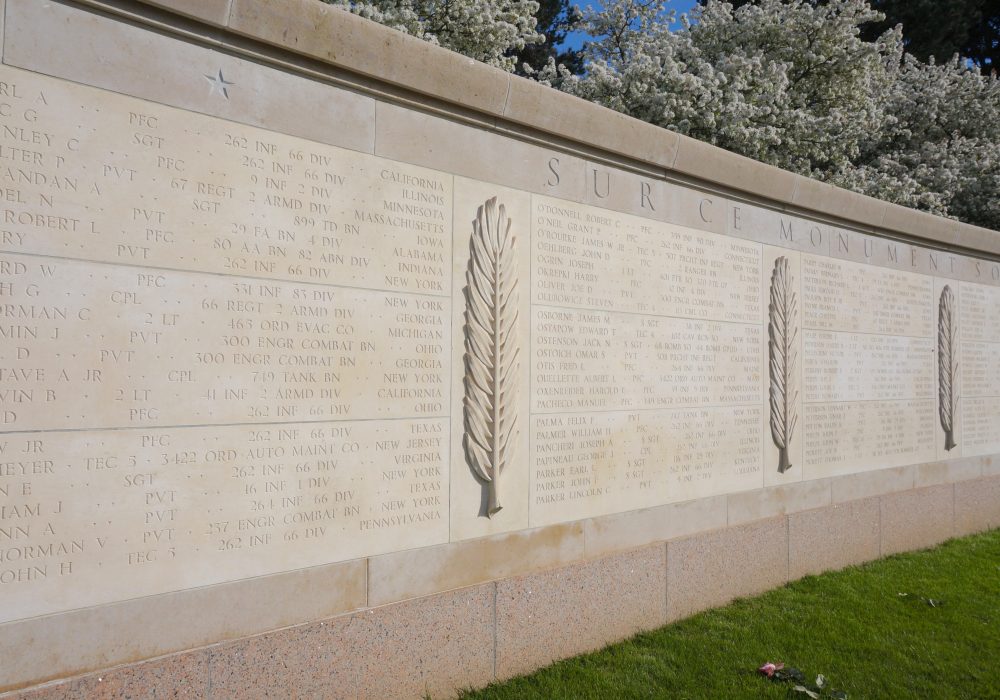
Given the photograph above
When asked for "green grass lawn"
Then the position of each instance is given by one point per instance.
(941, 640)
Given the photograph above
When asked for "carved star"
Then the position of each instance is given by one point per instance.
(219, 84)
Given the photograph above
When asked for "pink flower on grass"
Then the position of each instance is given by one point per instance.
(769, 668)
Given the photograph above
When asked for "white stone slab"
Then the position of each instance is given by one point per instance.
(96, 516)
(848, 296)
(589, 464)
(842, 438)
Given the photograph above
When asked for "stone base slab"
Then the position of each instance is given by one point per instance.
(439, 644)
(832, 538)
(711, 569)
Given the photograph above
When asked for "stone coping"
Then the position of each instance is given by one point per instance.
(322, 33)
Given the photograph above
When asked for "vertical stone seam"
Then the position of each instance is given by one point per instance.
(368, 582)
(666, 583)
(496, 595)
(506, 104)
(229, 13)
(677, 151)
(3, 31)
(881, 219)
(788, 548)
(795, 194)
(954, 511)
(881, 529)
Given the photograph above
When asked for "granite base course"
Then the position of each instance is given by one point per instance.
(833, 537)
(917, 518)
(563, 612)
(711, 569)
(977, 505)
(438, 644)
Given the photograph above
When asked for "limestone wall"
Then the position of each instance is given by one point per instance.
(304, 318)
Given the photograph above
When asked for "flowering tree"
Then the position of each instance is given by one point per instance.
(491, 31)
(940, 151)
(794, 84)
(788, 83)
(932, 28)
(556, 20)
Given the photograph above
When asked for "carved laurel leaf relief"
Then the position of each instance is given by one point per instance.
(491, 349)
(947, 365)
(782, 330)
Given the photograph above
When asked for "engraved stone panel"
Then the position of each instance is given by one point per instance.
(608, 361)
(980, 369)
(128, 182)
(168, 348)
(590, 464)
(979, 330)
(849, 296)
(841, 438)
(980, 313)
(94, 516)
(981, 418)
(859, 367)
(226, 351)
(588, 257)
(633, 314)
(870, 367)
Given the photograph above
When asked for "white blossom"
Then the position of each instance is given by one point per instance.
(486, 30)
(792, 83)
(941, 150)
(787, 82)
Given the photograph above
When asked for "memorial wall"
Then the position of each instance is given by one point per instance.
(230, 352)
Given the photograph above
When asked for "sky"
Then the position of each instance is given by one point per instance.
(575, 39)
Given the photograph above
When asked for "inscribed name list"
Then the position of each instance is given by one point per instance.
(226, 351)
